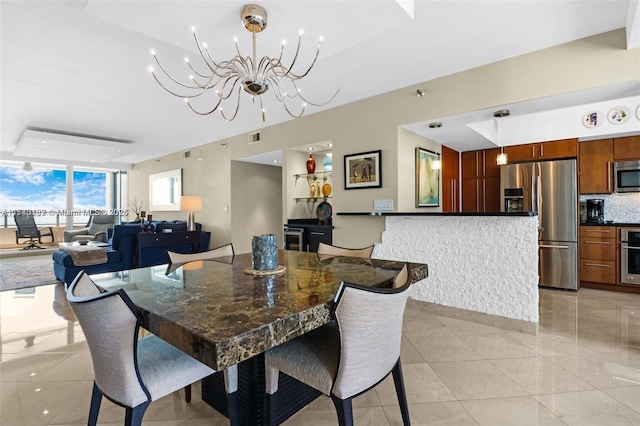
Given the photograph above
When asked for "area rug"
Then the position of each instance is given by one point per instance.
(25, 273)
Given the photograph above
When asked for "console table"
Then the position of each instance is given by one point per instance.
(153, 245)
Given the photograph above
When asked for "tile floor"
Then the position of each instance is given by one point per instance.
(583, 368)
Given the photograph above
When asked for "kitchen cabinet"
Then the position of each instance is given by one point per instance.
(480, 181)
(595, 174)
(598, 254)
(552, 150)
(625, 149)
(450, 180)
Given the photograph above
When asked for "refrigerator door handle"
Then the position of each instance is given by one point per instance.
(552, 246)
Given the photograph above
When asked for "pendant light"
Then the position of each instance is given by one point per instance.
(501, 159)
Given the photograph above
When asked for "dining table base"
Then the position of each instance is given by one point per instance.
(251, 398)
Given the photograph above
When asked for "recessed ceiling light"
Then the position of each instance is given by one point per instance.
(435, 125)
(118, 150)
(275, 161)
(36, 149)
(310, 148)
(329, 145)
(43, 141)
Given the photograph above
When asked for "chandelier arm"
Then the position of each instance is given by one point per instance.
(236, 79)
(228, 66)
(291, 113)
(178, 94)
(197, 73)
(170, 76)
(299, 76)
(215, 65)
(203, 112)
(295, 58)
(278, 88)
(237, 107)
(261, 108)
(314, 103)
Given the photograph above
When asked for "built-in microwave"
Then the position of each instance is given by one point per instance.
(627, 176)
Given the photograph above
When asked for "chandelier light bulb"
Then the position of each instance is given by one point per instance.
(153, 52)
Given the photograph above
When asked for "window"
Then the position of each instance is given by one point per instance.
(44, 192)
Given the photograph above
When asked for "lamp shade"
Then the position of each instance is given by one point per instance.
(191, 203)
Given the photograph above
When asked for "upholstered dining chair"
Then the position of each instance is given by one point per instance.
(222, 251)
(346, 358)
(325, 250)
(130, 372)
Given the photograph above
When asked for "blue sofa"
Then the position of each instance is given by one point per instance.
(123, 251)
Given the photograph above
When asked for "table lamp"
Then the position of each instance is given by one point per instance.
(191, 203)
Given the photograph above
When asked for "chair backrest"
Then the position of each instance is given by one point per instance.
(329, 250)
(222, 251)
(369, 349)
(100, 223)
(26, 225)
(110, 324)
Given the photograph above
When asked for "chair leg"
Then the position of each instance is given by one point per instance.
(344, 410)
(271, 409)
(133, 416)
(398, 380)
(96, 399)
(187, 393)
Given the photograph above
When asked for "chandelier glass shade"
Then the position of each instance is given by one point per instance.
(227, 79)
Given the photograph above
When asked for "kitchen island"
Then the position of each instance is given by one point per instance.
(482, 266)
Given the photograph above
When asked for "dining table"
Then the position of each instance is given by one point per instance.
(226, 315)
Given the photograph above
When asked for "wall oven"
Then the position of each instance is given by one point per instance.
(630, 255)
(626, 176)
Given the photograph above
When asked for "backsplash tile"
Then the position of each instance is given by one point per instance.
(622, 208)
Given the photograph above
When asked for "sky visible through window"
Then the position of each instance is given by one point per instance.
(44, 190)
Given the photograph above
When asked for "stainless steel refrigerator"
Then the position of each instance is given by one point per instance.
(549, 189)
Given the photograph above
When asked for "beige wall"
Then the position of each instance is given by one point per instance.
(372, 124)
(256, 203)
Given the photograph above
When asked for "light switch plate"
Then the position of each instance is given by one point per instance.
(382, 204)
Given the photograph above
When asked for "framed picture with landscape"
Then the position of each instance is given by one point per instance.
(362, 170)
(427, 178)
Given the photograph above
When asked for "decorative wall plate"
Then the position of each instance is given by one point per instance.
(324, 211)
(592, 119)
(619, 115)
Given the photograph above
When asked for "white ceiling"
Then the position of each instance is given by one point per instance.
(81, 67)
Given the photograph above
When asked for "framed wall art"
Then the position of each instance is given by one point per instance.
(363, 170)
(427, 178)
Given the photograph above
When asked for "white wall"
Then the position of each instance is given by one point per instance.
(256, 203)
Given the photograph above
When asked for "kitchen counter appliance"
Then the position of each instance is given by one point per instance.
(630, 256)
(548, 188)
(626, 176)
(595, 210)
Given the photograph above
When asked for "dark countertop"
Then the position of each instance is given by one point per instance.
(219, 314)
(610, 224)
(525, 214)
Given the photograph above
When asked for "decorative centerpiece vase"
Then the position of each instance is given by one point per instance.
(264, 251)
(311, 164)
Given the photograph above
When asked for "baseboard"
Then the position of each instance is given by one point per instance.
(477, 317)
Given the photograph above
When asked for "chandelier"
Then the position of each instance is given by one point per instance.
(229, 78)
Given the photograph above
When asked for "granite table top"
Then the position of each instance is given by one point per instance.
(220, 315)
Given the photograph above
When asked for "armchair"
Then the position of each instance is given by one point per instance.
(96, 229)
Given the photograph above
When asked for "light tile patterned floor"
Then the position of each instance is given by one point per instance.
(583, 368)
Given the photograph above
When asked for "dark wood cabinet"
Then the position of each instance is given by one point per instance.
(626, 148)
(596, 167)
(450, 180)
(317, 235)
(552, 150)
(480, 181)
(598, 254)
